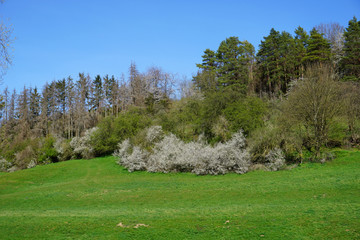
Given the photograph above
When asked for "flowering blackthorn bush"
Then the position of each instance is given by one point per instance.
(82, 146)
(170, 154)
(275, 159)
(4, 165)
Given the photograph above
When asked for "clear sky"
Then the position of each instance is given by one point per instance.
(58, 38)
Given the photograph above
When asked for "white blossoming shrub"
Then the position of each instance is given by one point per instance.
(154, 134)
(32, 164)
(275, 159)
(4, 165)
(81, 145)
(170, 154)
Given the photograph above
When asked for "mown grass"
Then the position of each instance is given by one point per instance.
(87, 199)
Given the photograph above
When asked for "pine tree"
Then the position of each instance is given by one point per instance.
(231, 66)
(209, 62)
(301, 42)
(97, 95)
(108, 93)
(233, 61)
(287, 61)
(23, 126)
(60, 93)
(350, 64)
(318, 50)
(34, 107)
(60, 117)
(268, 62)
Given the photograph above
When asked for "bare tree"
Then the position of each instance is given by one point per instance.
(160, 84)
(187, 88)
(6, 40)
(124, 94)
(352, 110)
(138, 86)
(334, 33)
(313, 102)
(70, 99)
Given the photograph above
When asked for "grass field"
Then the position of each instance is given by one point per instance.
(87, 199)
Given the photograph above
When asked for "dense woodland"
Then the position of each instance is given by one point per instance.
(298, 94)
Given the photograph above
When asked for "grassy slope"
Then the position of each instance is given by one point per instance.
(86, 199)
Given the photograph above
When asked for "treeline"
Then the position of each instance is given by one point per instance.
(66, 108)
(235, 89)
(281, 58)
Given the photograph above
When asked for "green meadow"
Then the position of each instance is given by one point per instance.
(98, 199)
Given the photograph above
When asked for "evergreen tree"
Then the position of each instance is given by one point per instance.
(97, 96)
(350, 64)
(301, 42)
(60, 112)
(23, 127)
(60, 93)
(109, 83)
(233, 61)
(268, 60)
(34, 107)
(230, 67)
(43, 124)
(287, 61)
(209, 62)
(318, 50)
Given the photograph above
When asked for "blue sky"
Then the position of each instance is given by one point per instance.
(58, 38)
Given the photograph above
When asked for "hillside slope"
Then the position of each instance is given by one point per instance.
(88, 199)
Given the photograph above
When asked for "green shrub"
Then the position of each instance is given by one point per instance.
(48, 153)
(246, 114)
(338, 129)
(112, 130)
(183, 119)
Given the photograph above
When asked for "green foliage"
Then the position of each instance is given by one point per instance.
(262, 141)
(48, 153)
(112, 130)
(11, 149)
(350, 64)
(276, 60)
(338, 132)
(246, 114)
(183, 119)
(318, 50)
(228, 67)
(206, 81)
(154, 105)
(234, 58)
(313, 103)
